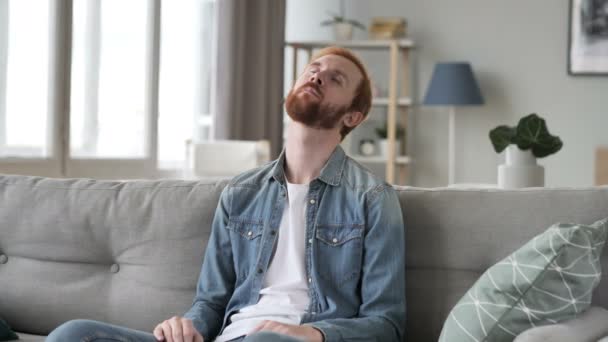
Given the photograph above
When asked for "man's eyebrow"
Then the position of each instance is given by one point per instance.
(336, 71)
(316, 64)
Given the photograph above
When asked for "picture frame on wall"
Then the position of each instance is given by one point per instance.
(588, 37)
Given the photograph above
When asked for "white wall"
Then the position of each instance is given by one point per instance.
(518, 50)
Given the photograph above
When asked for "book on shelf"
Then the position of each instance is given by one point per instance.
(387, 28)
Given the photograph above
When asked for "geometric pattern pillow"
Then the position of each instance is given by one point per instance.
(548, 280)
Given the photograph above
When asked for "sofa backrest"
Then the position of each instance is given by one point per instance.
(125, 253)
(454, 235)
(130, 253)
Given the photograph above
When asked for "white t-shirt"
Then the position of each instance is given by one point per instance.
(284, 296)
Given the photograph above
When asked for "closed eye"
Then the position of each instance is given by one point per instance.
(337, 77)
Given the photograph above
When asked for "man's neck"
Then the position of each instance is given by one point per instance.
(306, 152)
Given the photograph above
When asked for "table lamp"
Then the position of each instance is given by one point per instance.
(453, 84)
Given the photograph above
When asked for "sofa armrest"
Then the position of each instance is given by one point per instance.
(592, 325)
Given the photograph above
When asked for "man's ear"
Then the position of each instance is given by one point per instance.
(352, 119)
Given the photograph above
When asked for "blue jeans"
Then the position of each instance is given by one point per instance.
(82, 330)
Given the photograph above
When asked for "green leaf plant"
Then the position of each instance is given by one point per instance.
(531, 133)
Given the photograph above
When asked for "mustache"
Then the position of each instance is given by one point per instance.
(314, 86)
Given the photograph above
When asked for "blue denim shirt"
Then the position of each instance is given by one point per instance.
(355, 251)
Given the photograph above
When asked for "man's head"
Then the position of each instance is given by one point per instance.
(333, 92)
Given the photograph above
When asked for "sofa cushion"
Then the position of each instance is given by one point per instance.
(31, 338)
(589, 326)
(6, 334)
(126, 253)
(548, 280)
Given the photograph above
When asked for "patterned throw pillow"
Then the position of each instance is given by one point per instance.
(6, 334)
(549, 279)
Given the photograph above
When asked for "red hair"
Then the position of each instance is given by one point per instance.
(362, 101)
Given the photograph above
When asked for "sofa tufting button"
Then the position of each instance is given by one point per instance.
(3, 259)
(114, 268)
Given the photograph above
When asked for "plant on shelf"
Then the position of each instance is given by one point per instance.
(382, 132)
(343, 27)
(529, 140)
(531, 133)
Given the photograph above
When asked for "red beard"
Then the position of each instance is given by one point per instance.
(309, 110)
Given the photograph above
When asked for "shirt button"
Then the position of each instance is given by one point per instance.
(249, 233)
(314, 312)
(260, 271)
(335, 240)
(272, 232)
(312, 201)
(309, 240)
(310, 280)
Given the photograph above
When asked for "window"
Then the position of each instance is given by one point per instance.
(108, 79)
(24, 59)
(185, 77)
(137, 86)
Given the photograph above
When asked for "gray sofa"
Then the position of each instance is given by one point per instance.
(129, 253)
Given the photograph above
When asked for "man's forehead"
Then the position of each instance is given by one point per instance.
(342, 63)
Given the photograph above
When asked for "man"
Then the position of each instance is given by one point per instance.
(309, 247)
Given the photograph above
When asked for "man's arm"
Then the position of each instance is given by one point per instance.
(382, 311)
(217, 277)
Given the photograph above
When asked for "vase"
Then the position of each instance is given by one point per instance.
(343, 31)
(383, 147)
(520, 170)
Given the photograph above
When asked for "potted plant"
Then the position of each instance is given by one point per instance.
(529, 140)
(382, 132)
(343, 27)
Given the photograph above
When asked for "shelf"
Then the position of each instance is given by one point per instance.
(400, 160)
(383, 101)
(361, 44)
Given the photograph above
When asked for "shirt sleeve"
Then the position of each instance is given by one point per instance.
(216, 281)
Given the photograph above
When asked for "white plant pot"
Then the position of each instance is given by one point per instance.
(343, 31)
(520, 170)
(383, 147)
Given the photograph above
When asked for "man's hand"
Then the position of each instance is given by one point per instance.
(177, 329)
(307, 332)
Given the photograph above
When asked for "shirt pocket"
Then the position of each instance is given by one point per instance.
(339, 251)
(249, 229)
(245, 237)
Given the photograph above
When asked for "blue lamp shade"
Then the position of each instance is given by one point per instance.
(453, 84)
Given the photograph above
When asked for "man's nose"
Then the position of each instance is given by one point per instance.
(316, 79)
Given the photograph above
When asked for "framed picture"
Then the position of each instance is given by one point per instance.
(588, 37)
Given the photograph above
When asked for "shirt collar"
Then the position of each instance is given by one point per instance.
(331, 173)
